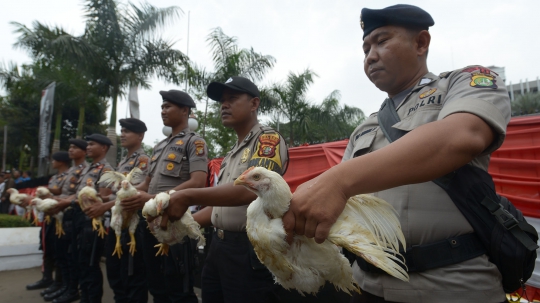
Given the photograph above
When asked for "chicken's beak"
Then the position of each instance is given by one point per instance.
(240, 180)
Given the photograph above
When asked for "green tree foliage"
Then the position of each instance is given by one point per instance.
(526, 104)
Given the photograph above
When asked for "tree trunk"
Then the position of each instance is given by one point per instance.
(204, 125)
(291, 141)
(58, 128)
(111, 131)
(80, 125)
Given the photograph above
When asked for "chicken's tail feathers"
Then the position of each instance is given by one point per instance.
(378, 217)
(384, 258)
(134, 173)
(111, 177)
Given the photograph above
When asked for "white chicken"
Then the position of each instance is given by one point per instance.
(176, 231)
(16, 198)
(88, 196)
(44, 193)
(367, 227)
(44, 205)
(120, 219)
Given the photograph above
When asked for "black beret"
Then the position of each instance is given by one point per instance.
(177, 97)
(134, 125)
(99, 138)
(400, 14)
(82, 144)
(61, 156)
(241, 84)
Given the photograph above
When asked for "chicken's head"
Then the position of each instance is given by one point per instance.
(35, 202)
(125, 185)
(42, 192)
(162, 202)
(149, 208)
(269, 186)
(12, 191)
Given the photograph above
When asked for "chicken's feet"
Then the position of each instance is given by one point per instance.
(131, 244)
(163, 249)
(101, 230)
(35, 221)
(59, 229)
(48, 219)
(118, 247)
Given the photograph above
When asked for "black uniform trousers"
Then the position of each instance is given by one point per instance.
(127, 288)
(63, 249)
(233, 273)
(48, 246)
(166, 274)
(89, 251)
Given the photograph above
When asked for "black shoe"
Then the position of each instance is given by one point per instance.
(49, 290)
(55, 294)
(43, 283)
(68, 297)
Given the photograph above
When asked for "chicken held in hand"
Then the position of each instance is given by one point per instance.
(45, 205)
(176, 231)
(88, 196)
(120, 218)
(367, 227)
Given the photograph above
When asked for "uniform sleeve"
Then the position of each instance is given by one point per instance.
(198, 155)
(270, 152)
(52, 181)
(479, 91)
(143, 163)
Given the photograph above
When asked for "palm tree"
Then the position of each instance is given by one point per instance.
(526, 104)
(228, 60)
(292, 103)
(129, 49)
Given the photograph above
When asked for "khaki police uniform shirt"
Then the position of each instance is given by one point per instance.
(93, 172)
(72, 179)
(137, 159)
(264, 147)
(57, 181)
(426, 212)
(175, 158)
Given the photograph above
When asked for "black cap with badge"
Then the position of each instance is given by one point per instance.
(400, 14)
(240, 84)
(82, 144)
(99, 138)
(61, 156)
(177, 97)
(134, 125)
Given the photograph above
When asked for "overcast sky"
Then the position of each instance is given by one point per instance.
(324, 36)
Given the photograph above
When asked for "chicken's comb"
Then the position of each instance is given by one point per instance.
(248, 170)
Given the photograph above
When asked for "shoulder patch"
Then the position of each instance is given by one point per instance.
(199, 147)
(481, 77)
(444, 75)
(143, 162)
(267, 152)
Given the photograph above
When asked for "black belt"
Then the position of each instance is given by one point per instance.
(226, 235)
(439, 254)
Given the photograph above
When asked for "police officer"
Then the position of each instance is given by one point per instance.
(49, 246)
(232, 272)
(178, 162)
(65, 245)
(89, 246)
(451, 120)
(126, 275)
(61, 162)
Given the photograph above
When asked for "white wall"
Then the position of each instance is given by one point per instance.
(19, 248)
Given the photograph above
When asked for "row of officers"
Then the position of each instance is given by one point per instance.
(231, 272)
(444, 122)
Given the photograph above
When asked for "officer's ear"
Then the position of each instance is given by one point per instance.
(423, 39)
(255, 103)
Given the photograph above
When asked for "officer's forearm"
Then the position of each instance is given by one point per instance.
(108, 205)
(204, 217)
(426, 153)
(222, 195)
(197, 180)
(144, 184)
(55, 191)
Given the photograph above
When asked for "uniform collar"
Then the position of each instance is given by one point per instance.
(184, 132)
(252, 132)
(425, 80)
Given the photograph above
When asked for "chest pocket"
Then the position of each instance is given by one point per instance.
(173, 164)
(420, 117)
(363, 144)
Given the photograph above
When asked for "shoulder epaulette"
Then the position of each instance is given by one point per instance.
(445, 74)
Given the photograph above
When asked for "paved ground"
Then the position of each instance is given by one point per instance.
(13, 286)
